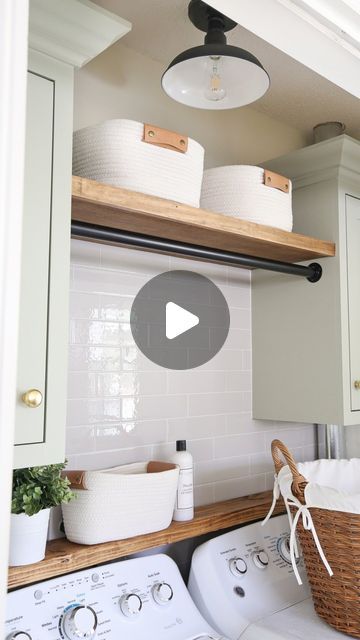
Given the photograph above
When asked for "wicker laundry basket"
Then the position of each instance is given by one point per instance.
(337, 597)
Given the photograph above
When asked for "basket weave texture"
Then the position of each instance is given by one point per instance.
(113, 152)
(239, 191)
(120, 503)
(337, 598)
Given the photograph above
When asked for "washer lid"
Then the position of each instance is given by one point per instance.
(299, 622)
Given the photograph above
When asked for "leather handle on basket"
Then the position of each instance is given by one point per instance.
(76, 479)
(155, 466)
(165, 138)
(276, 181)
(299, 482)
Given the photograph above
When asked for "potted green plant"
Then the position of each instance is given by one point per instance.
(35, 490)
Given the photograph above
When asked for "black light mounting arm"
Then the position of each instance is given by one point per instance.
(83, 230)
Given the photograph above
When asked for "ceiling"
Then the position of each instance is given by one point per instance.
(297, 96)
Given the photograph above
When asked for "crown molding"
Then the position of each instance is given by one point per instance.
(73, 31)
(332, 159)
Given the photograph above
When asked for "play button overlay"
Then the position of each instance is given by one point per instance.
(179, 319)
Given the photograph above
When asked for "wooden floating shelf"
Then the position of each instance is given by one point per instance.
(63, 556)
(105, 206)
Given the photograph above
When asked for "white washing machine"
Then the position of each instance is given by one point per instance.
(139, 599)
(243, 584)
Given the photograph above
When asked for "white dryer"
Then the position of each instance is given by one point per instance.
(243, 584)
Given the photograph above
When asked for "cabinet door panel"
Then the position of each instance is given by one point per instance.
(353, 268)
(32, 361)
(43, 335)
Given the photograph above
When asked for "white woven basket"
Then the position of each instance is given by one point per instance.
(120, 502)
(244, 192)
(125, 153)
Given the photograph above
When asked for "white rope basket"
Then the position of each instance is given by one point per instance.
(119, 503)
(115, 152)
(241, 191)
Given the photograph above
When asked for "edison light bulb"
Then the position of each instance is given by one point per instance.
(215, 88)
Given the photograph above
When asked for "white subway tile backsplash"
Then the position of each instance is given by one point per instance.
(220, 470)
(80, 439)
(89, 384)
(199, 449)
(195, 380)
(297, 435)
(195, 428)
(113, 458)
(247, 360)
(237, 297)
(203, 494)
(240, 319)
(246, 443)
(125, 434)
(134, 261)
(86, 411)
(85, 253)
(149, 407)
(239, 278)
(238, 339)
(123, 408)
(239, 487)
(95, 332)
(84, 306)
(238, 381)
(215, 403)
(261, 463)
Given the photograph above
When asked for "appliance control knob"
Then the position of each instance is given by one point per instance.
(260, 559)
(238, 567)
(18, 635)
(162, 592)
(130, 605)
(79, 622)
(284, 548)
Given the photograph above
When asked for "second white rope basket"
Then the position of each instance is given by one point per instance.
(250, 193)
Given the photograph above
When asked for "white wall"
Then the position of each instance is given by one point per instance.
(121, 83)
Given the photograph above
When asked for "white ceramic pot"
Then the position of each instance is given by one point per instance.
(28, 537)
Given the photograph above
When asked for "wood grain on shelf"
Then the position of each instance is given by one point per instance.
(63, 556)
(116, 208)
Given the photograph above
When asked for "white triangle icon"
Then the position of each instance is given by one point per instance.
(178, 320)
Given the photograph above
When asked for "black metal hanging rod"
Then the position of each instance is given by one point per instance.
(312, 272)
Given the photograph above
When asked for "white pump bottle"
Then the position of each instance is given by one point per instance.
(184, 505)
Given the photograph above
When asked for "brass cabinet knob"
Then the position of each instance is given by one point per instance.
(357, 384)
(32, 398)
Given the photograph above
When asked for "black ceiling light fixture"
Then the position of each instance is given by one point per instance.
(214, 75)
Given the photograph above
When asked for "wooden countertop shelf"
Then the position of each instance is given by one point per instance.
(63, 556)
(115, 208)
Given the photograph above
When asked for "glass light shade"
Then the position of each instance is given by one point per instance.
(215, 77)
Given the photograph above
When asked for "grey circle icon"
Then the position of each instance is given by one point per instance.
(179, 319)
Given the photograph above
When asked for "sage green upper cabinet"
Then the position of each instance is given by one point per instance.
(306, 337)
(353, 273)
(62, 35)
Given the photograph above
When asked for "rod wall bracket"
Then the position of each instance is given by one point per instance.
(317, 272)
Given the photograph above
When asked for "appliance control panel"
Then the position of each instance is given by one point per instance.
(139, 599)
(239, 577)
